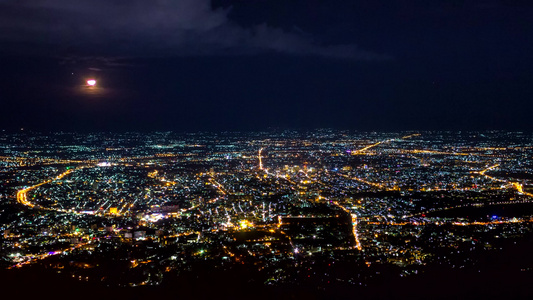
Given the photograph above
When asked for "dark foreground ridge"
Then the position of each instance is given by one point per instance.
(498, 279)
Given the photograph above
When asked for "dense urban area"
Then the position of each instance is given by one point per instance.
(319, 211)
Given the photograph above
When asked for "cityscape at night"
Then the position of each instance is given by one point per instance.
(266, 149)
(322, 210)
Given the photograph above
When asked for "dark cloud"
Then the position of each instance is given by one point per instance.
(158, 27)
(96, 62)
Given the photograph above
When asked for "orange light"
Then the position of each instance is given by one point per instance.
(91, 82)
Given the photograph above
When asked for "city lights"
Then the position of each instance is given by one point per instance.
(399, 202)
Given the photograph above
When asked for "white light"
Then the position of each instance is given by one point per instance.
(91, 82)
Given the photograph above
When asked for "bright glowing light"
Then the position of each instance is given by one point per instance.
(153, 217)
(91, 82)
(245, 224)
(260, 160)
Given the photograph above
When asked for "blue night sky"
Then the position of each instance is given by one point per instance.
(190, 65)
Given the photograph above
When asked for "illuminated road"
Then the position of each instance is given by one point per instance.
(462, 223)
(352, 216)
(410, 136)
(219, 186)
(422, 151)
(31, 258)
(260, 160)
(22, 196)
(381, 186)
(482, 172)
(520, 189)
(354, 225)
(360, 151)
(518, 186)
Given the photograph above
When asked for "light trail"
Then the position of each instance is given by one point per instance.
(366, 182)
(260, 160)
(33, 258)
(352, 216)
(520, 189)
(422, 151)
(356, 152)
(354, 225)
(218, 186)
(183, 234)
(410, 136)
(22, 195)
(482, 172)
(440, 222)
(518, 186)
(360, 151)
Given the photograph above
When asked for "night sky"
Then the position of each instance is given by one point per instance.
(190, 65)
